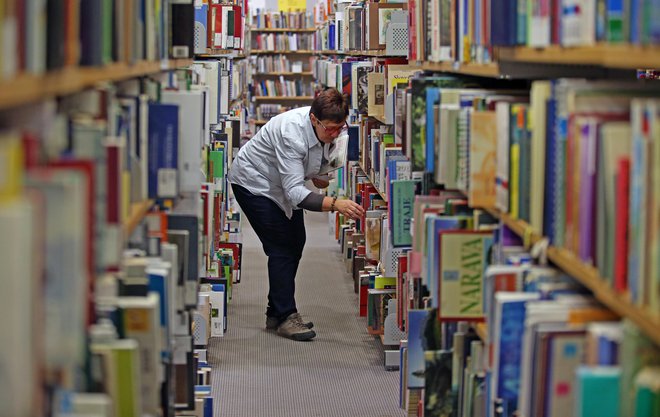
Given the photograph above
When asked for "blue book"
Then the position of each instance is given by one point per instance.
(353, 150)
(634, 21)
(416, 365)
(608, 351)
(163, 150)
(510, 312)
(432, 98)
(504, 22)
(158, 284)
(208, 406)
(331, 36)
(549, 199)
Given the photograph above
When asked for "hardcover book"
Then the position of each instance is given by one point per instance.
(463, 259)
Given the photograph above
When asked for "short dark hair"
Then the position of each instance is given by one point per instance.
(330, 105)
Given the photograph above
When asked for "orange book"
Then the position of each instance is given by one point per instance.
(589, 314)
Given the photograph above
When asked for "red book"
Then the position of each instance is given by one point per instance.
(364, 295)
(238, 27)
(114, 164)
(621, 226)
(402, 292)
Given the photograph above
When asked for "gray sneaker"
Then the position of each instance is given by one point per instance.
(294, 328)
(272, 323)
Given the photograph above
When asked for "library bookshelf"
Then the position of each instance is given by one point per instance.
(26, 89)
(589, 277)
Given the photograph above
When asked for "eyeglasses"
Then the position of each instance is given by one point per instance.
(333, 130)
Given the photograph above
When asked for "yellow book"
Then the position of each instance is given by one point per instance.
(540, 93)
(11, 165)
(514, 180)
(381, 282)
(483, 154)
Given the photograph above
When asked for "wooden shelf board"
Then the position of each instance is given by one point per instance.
(607, 55)
(589, 276)
(380, 118)
(304, 73)
(283, 30)
(284, 98)
(483, 70)
(300, 52)
(138, 211)
(260, 122)
(26, 89)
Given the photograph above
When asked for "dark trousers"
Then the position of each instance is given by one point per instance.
(283, 240)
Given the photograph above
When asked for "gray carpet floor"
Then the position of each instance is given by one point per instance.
(339, 374)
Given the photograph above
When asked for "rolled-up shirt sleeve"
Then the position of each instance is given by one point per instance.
(290, 156)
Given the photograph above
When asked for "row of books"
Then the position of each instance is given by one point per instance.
(463, 31)
(73, 167)
(281, 63)
(284, 87)
(360, 26)
(91, 33)
(283, 41)
(574, 159)
(367, 82)
(264, 19)
(220, 26)
(531, 311)
(266, 111)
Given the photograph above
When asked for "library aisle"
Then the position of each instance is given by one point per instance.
(340, 373)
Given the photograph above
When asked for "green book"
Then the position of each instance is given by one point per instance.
(597, 391)
(637, 352)
(401, 207)
(647, 388)
(106, 32)
(216, 166)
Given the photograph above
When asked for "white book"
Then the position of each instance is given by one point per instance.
(578, 23)
(35, 39)
(191, 136)
(18, 296)
(65, 283)
(225, 26)
(502, 109)
(217, 297)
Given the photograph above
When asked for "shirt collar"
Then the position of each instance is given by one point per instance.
(312, 139)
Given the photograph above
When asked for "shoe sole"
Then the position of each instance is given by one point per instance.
(310, 325)
(300, 337)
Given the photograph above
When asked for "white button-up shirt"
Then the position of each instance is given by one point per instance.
(278, 160)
